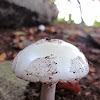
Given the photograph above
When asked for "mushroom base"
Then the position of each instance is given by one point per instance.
(48, 91)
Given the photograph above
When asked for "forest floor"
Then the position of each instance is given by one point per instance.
(87, 39)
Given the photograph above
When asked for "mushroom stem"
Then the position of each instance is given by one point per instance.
(48, 91)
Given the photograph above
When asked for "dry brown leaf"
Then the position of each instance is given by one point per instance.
(20, 45)
(2, 57)
(50, 29)
(71, 86)
(73, 36)
(91, 69)
(31, 31)
(31, 38)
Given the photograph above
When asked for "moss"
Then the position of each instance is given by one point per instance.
(11, 88)
(96, 24)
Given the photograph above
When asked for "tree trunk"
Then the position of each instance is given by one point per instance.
(16, 13)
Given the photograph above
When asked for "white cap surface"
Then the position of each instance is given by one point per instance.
(50, 61)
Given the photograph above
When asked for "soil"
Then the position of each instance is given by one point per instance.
(11, 42)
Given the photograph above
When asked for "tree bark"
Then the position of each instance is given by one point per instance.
(16, 13)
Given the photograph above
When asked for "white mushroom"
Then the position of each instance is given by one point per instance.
(41, 27)
(50, 61)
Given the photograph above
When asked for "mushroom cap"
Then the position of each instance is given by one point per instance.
(51, 60)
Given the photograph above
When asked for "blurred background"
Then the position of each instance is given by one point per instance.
(23, 22)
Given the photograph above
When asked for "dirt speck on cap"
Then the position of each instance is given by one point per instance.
(43, 66)
(77, 65)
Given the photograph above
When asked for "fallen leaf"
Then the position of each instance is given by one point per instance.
(73, 36)
(31, 31)
(71, 86)
(18, 33)
(31, 37)
(91, 67)
(50, 29)
(20, 45)
(2, 57)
